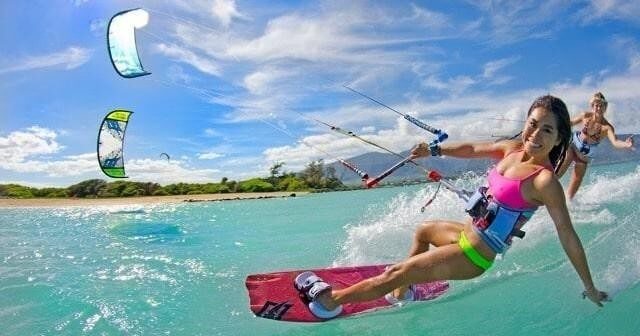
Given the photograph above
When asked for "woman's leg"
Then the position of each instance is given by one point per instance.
(446, 261)
(441, 263)
(576, 178)
(436, 233)
(571, 154)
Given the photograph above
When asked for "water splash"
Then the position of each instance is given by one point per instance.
(385, 236)
(610, 188)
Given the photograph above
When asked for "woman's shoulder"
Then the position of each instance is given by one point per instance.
(509, 146)
(544, 186)
(606, 123)
(547, 181)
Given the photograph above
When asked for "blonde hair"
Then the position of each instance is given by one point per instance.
(599, 97)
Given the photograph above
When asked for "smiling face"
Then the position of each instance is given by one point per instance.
(598, 103)
(598, 107)
(540, 133)
(548, 125)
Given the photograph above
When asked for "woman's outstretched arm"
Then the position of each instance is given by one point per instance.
(611, 135)
(552, 196)
(578, 119)
(490, 149)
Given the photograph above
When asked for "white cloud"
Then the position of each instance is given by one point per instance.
(209, 156)
(33, 141)
(332, 34)
(210, 132)
(454, 86)
(79, 3)
(260, 82)
(429, 18)
(204, 64)
(513, 21)
(481, 116)
(331, 147)
(69, 59)
(164, 172)
(75, 165)
(626, 10)
(627, 48)
(295, 157)
(297, 53)
(491, 68)
(98, 27)
(298, 38)
(33, 150)
(85, 166)
(225, 11)
(178, 75)
(368, 129)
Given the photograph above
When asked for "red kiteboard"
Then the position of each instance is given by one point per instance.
(273, 295)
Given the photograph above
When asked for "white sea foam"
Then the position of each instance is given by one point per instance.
(610, 188)
(387, 237)
(140, 272)
(195, 266)
(90, 322)
(139, 211)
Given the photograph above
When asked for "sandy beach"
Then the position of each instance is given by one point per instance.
(65, 202)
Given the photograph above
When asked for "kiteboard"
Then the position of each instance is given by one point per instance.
(274, 296)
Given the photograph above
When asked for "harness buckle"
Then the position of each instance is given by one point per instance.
(585, 149)
(477, 204)
(516, 232)
(481, 223)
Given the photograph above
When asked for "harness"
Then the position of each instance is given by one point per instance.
(582, 146)
(494, 222)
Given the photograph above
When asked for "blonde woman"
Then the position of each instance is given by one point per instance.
(595, 127)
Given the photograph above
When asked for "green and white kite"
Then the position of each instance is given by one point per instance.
(111, 143)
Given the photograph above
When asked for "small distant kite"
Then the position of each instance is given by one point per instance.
(111, 143)
(121, 38)
(166, 156)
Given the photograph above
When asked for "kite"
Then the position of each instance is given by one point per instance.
(121, 38)
(111, 143)
(165, 155)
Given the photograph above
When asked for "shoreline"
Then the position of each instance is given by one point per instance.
(80, 202)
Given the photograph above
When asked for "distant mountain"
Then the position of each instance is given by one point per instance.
(375, 163)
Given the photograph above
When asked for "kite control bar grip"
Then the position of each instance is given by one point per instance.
(434, 176)
(370, 183)
(363, 175)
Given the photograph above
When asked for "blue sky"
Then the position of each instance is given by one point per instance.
(232, 81)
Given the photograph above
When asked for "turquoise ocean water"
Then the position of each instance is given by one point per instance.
(180, 269)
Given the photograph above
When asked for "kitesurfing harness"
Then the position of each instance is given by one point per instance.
(496, 223)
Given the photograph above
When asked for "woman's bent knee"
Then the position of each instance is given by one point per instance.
(425, 231)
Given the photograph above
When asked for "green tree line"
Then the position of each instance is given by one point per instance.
(315, 177)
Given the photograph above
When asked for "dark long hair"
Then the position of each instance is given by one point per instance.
(556, 106)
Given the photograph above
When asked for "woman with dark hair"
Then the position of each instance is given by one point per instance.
(523, 180)
(595, 127)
